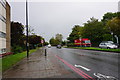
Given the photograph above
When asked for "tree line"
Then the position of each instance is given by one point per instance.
(97, 31)
(57, 40)
(18, 38)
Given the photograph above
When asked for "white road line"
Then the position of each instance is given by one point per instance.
(97, 75)
(103, 76)
(82, 67)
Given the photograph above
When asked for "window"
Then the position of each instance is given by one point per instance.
(102, 44)
(2, 18)
(2, 34)
(87, 41)
(3, 50)
(3, 2)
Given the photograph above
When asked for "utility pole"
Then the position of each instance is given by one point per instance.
(27, 44)
(117, 39)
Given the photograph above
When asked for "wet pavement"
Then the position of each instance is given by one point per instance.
(67, 63)
(38, 66)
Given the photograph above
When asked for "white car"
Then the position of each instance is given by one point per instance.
(108, 45)
(49, 46)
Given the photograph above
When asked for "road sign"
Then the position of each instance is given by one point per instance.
(42, 41)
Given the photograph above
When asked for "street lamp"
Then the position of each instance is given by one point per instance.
(117, 39)
(27, 44)
(112, 35)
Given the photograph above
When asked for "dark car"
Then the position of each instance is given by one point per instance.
(59, 46)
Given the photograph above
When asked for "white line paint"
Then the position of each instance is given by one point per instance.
(97, 75)
(103, 76)
(82, 67)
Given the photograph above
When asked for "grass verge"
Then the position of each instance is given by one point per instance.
(10, 60)
(99, 49)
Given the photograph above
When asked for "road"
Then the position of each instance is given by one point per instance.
(87, 63)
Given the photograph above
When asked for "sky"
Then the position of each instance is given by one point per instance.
(49, 17)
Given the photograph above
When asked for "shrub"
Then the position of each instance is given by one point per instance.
(17, 49)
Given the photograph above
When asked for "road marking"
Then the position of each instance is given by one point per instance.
(82, 67)
(103, 76)
(78, 71)
(97, 75)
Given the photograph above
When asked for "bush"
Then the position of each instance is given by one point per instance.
(17, 49)
(70, 45)
(32, 46)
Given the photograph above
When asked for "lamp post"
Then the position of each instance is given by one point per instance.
(117, 39)
(27, 44)
(112, 35)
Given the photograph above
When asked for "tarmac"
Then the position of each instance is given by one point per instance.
(38, 66)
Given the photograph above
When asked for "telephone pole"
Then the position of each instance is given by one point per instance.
(27, 44)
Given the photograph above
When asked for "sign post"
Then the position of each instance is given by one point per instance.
(42, 44)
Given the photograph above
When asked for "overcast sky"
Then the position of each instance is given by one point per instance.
(50, 18)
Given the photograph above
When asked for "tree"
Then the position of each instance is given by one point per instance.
(17, 37)
(118, 15)
(59, 38)
(46, 43)
(106, 20)
(93, 30)
(17, 33)
(108, 16)
(75, 34)
(114, 26)
(53, 41)
(34, 40)
(64, 42)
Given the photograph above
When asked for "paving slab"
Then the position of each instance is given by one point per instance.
(38, 66)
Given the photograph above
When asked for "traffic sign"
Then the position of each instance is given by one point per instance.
(42, 41)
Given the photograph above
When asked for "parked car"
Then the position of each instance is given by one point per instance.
(107, 42)
(117, 45)
(59, 46)
(49, 46)
(108, 45)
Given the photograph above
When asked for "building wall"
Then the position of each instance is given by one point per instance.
(8, 38)
(2, 26)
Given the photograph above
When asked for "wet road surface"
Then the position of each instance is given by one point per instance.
(87, 63)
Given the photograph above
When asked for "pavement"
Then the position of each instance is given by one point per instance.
(38, 66)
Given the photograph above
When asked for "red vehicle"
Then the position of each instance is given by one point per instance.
(84, 42)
